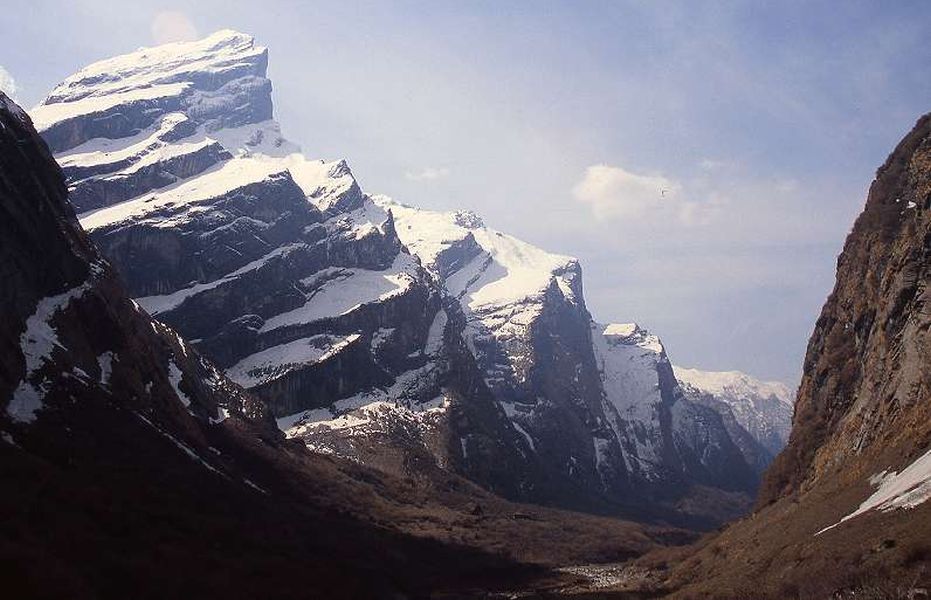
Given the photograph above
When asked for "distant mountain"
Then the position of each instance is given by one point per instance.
(843, 511)
(763, 409)
(409, 340)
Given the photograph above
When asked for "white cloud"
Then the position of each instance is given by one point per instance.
(427, 174)
(7, 83)
(172, 26)
(615, 193)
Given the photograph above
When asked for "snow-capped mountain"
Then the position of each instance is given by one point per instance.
(762, 408)
(664, 435)
(114, 432)
(402, 338)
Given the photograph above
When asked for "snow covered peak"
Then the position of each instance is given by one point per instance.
(217, 83)
(169, 63)
(286, 272)
(177, 126)
(481, 265)
(763, 408)
(631, 334)
(735, 384)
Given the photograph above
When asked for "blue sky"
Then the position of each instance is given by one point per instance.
(703, 160)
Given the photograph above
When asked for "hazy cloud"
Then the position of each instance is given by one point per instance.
(172, 26)
(7, 83)
(427, 174)
(614, 193)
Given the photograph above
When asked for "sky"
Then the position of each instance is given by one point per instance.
(704, 161)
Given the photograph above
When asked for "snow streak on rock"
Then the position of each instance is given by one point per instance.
(37, 344)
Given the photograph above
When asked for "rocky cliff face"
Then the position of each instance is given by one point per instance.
(400, 338)
(665, 436)
(843, 509)
(71, 336)
(865, 386)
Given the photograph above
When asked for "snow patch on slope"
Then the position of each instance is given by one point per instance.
(105, 362)
(37, 343)
(211, 184)
(256, 138)
(906, 489)
(46, 115)
(272, 363)
(155, 305)
(102, 151)
(174, 376)
(435, 334)
(372, 414)
(323, 182)
(341, 291)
